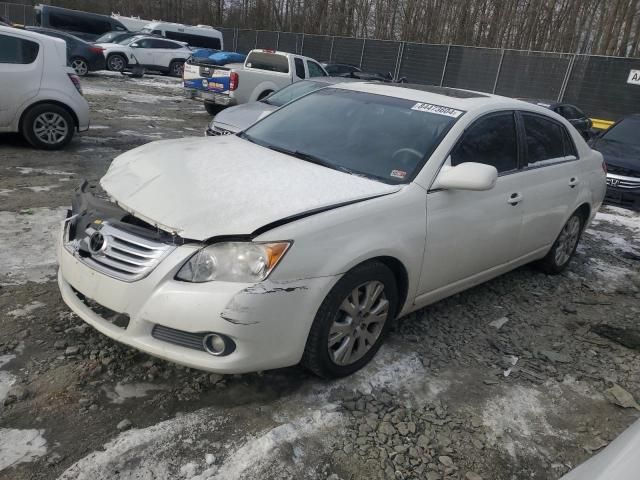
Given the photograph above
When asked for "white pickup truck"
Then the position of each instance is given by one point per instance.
(263, 72)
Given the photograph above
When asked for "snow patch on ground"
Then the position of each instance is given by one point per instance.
(133, 133)
(20, 446)
(99, 127)
(513, 419)
(44, 171)
(29, 240)
(6, 378)
(143, 454)
(122, 392)
(610, 277)
(4, 192)
(153, 118)
(618, 216)
(26, 310)
(147, 98)
(43, 188)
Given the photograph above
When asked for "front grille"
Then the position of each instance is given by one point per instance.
(627, 172)
(179, 337)
(117, 253)
(621, 181)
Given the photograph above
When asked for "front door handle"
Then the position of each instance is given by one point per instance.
(573, 182)
(515, 198)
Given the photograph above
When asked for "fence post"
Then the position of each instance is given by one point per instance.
(302, 45)
(444, 67)
(396, 70)
(333, 39)
(567, 76)
(278, 41)
(364, 42)
(255, 43)
(495, 84)
(235, 39)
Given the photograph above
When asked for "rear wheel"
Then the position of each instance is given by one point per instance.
(175, 68)
(116, 62)
(352, 321)
(48, 126)
(80, 65)
(564, 247)
(212, 108)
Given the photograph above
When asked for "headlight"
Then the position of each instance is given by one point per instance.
(233, 262)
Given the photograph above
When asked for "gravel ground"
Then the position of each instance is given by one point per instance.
(508, 380)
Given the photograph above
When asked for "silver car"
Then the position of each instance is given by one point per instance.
(235, 119)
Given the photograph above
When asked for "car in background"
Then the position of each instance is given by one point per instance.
(351, 71)
(336, 69)
(88, 26)
(234, 119)
(40, 96)
(116, 37)
(4, 22)
(303, 238)
(82, 56)
(573, 114)
(147, 51)
(263, 72)
(620, 147)
(201, 36)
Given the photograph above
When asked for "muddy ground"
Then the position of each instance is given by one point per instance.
(508, 380)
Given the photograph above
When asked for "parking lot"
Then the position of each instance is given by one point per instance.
(506, 380)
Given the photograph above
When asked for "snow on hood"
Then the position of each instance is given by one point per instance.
(201, 187)
(242, 116)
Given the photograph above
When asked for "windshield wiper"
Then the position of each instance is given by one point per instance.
(308, 157)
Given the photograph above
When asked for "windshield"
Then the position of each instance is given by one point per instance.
(380, 137)
(128, 40)
(626, 131)
(291, 92)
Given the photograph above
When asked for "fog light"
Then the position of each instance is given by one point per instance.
(214, 344)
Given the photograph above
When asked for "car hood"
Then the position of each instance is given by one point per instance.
(620, 154)
(108, 46)
(242, 116)
(202, 187)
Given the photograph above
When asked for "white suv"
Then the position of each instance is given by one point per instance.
(149, 52)
(40, 96)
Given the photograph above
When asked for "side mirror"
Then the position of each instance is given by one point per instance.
(467, 176)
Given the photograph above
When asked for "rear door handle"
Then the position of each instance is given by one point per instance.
(515, 198)
(573, 182)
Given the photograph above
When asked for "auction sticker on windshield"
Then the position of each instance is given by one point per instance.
(437, 109)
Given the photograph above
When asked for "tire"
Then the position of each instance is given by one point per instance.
(264, 94)
(175, 68)
(212, 108)
(322, 356)
(48, 126)
(564, 247)
(116, 62)
(80, 66)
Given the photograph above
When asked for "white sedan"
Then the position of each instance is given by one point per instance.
(304, 237)
(150, 52)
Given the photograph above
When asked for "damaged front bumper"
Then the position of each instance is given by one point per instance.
(267, 323)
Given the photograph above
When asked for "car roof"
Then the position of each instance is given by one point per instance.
(466, 100)
(542, 102)
(46, 31)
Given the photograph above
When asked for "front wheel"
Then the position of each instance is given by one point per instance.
(48, 126)
(564, 247)
(116, 62)
(352, 321)
(176, 68)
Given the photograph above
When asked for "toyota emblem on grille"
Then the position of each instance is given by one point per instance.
(97, 243)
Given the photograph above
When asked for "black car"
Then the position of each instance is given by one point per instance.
(340, 69)
(576, 117)
(115, 37)
(351, 71)
(82, 56)
(85, 25)
(620, 147)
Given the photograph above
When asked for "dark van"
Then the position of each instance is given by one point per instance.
(88, 26)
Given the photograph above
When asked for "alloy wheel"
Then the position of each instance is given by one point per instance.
(567, 240)
(358, 323)
(116, 63)
(80, 66)
(50, 128)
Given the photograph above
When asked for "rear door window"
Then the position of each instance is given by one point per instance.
(491, 140)
(545, 139)
(17, 50)
(268, 61)
(299, 68)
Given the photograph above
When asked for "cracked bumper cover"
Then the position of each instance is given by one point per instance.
(269, 322)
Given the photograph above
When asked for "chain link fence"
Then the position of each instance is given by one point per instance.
(596, 84)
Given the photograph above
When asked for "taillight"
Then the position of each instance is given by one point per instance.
(233, 81)
(96, 49)
(76, 82)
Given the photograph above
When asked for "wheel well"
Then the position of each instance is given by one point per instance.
(401, 276)
(181, 60)
(264, 94)
(585, 211)
(49, 102)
